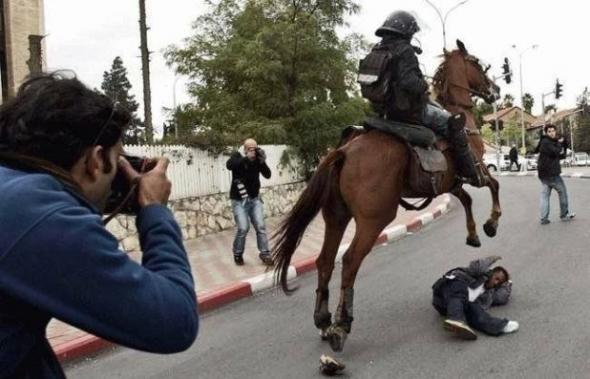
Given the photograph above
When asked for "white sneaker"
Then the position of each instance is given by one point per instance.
(511, 327)
(568, 217)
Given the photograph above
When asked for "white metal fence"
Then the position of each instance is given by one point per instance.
(195, 172)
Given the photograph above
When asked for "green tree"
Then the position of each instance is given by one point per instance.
(116, 86)
(481, 109)
(550, 107)
(582, 130)
(528, 101)
(508, 101)
(275, 70)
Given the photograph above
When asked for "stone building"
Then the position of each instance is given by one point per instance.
(21, 42)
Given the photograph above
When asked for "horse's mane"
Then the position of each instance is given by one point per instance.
(440, 79)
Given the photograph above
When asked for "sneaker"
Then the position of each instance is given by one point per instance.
(545, 221)
(238, 260)
(461, 329)
(568, 217)
(511, 327)
(266, 259)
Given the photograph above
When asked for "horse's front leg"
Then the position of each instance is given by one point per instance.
(465, 199)
(491, 225)
(361, 245)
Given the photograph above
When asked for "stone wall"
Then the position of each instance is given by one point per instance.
(198, 216)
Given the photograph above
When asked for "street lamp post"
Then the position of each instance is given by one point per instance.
(176, 77)
(443, 19)
(522, 97)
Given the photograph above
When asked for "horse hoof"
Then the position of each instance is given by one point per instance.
(473, 241)
(336, 337)
(324, 335)
(490, 228)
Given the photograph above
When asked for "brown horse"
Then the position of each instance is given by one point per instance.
(365, 179)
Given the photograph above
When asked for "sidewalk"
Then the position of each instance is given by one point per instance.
(566, 172)
(219, 281)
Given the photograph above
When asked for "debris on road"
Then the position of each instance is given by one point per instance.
(330, 366)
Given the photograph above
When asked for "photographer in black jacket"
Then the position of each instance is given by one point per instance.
(246, 203)
(551, 150)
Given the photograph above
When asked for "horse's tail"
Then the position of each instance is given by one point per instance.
(311, 200)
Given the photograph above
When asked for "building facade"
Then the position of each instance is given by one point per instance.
(22, 29)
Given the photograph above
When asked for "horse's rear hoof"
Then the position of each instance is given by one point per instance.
(490, 228)
(336, 336)
(324, 335)
(473, 241)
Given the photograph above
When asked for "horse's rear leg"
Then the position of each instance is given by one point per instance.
(335, 228)
(364, 238)
(491, 225)
(465, 199)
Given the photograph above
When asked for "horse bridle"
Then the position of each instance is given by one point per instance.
(472, 59)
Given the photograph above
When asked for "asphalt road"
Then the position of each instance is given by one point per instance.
(396, 333)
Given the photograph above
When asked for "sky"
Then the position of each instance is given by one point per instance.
(86, 35)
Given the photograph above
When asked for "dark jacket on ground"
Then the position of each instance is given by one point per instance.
(477, 273)
(409, 87)
(248, 172)
(550, 152)
(57, 260)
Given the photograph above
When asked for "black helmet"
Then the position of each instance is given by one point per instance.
(399, 22)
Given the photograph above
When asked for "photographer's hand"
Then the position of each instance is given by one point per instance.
(154, 186)
(261, 156)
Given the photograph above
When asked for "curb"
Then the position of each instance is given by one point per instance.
(89, 344)
(576, 175)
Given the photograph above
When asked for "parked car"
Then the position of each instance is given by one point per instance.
(531, 161)
(492, 164)
(568, 161)
(581, 159)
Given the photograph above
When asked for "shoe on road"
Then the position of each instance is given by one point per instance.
(568, 217)
(545, 221)
(266, 259)
(511, 327)
(238, 260)
(461, 329)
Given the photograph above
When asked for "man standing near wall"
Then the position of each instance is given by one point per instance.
(245, 199)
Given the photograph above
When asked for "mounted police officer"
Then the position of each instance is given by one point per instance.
(391, 79)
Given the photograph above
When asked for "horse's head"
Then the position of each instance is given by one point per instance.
(462, 75)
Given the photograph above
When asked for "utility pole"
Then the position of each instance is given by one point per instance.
(145, 68)
(521, 96)
(443, 19)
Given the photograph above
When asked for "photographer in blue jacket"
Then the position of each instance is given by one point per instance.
(60, 150)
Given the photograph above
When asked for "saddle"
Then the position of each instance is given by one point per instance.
(428, 165)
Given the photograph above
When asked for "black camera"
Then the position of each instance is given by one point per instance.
(257, 151)
(123, 196)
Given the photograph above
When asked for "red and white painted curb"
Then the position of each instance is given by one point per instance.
(89, 344)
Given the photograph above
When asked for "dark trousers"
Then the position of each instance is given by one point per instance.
(514, 161)
(451, 299)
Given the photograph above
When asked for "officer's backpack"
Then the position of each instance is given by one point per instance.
(375, 76)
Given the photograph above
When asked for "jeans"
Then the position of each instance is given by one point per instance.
(451, 299)
(245, 211)
(436, 119)
(556, 183)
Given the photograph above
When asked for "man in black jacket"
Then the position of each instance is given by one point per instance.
(246, 203)
(514, 157)
(464, 294)
(551, 150)
(409, 99)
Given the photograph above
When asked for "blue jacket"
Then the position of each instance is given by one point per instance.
(58, 260)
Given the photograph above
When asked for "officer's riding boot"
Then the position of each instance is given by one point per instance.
(464, 161)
